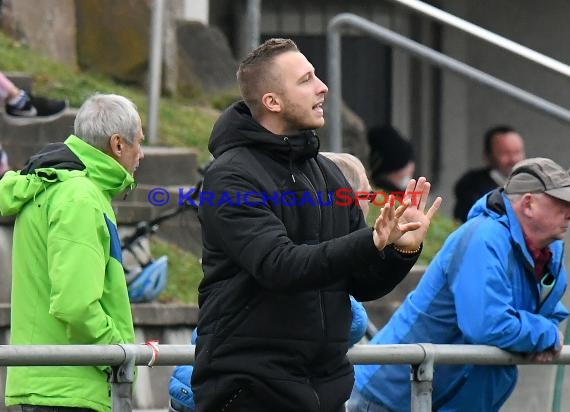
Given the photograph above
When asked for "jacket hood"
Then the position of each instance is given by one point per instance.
(496, 205)
(54, 155)
(108, 174)
(492, 204)
(58, 162)
(236, 127)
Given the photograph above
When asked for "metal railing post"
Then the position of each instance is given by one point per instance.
(422, 379)
(122, 379)
(334, 110)
(391, 38)
(252, 26)
(155, 70)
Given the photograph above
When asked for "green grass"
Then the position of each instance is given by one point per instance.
(183, 122)
(184, 273)
(438, 231)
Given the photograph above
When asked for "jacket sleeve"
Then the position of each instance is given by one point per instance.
(381, 276)
(559, 314)
(76, 267)
(488, 304)
(256, 239)
(359, 322)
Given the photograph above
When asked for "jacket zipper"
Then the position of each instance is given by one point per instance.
(316, 397)
(314, 190)
(321, 303)
(544, 298)
(529, 271)
(322, 306)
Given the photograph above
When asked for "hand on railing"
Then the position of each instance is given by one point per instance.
(551, 354)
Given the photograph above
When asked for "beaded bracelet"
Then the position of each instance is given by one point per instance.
(406, 251)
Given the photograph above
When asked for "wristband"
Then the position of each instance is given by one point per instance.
(406, 251)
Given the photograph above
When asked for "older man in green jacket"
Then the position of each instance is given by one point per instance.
(68, 285)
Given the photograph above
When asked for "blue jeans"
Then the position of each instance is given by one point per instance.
(36, 408)
(358, 403)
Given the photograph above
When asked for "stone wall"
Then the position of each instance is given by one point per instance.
(46, 26)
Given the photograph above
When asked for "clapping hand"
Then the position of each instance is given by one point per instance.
(406, 225)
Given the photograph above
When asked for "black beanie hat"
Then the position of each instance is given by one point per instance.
(389, 151)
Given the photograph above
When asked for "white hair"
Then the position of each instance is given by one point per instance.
(349, 165)
(514, 197)
(103, 115)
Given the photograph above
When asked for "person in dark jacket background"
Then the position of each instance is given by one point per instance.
(503, 147)
(280, 256)
(391, 158)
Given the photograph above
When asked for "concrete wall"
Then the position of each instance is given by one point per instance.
(47, 26)
(469, 108)
(456, 120)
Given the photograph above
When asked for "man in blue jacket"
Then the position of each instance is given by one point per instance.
(498, 280)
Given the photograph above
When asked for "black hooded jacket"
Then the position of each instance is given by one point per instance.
(274, 307)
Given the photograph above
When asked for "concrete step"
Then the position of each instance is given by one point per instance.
(161, 166)
(22, 137)
(168, 166)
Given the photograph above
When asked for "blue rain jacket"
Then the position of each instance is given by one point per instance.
(479, 289)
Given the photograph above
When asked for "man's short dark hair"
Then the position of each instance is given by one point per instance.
(253, 71)
(490, 135)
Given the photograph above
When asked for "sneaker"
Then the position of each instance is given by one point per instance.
(22, 110)
(37, 106)
(48, 107)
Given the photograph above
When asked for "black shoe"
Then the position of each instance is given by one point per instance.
(26, 111)
(38, 107)
(47, 107)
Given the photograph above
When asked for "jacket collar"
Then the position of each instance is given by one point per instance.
(108, 174)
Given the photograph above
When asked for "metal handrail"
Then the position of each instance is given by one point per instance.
(169, 355)
(341, 21)
(486, 35)
(422, 357)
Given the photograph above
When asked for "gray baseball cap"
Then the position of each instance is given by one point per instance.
(539, 175)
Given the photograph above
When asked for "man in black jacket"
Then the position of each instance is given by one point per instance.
(280, 254)
(503, 148)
